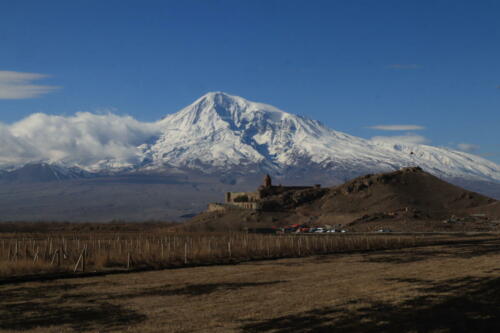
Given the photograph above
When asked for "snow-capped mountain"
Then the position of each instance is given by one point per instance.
(102, 167)
(220, 132)
(43, 172)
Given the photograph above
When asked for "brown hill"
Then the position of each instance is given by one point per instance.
(410, 191)
(408, 194)
(492, 210)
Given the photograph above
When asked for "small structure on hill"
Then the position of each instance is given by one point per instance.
(267, 181)
(252, 200)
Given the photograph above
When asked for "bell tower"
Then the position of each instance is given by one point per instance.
(267, 181)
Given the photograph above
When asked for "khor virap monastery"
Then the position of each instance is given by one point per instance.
(253, 200)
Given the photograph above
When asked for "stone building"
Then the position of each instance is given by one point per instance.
(252, 200)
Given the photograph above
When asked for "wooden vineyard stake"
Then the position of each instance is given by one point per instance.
(81, 259)
(84, 259)
(78, 262)
(54, 257)
(35, 258)
(185, 252)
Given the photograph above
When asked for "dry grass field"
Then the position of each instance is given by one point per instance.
(62, 253)
(434, 288)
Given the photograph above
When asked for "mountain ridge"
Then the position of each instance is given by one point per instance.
(220, 131)
(224, 133)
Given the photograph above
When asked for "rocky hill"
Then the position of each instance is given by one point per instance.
(409, 195)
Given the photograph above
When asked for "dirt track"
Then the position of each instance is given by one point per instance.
(453, 288)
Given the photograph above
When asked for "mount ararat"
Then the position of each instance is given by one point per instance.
(219, 143)
(225, 133)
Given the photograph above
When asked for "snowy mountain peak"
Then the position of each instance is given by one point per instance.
(216, 107)
(221, 100)
(222, 132)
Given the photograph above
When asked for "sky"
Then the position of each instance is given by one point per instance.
(416, 71)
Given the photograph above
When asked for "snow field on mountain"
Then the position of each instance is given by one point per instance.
(220, 133)
(223, 131)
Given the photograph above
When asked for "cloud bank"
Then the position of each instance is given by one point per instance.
(18, 85)
(84, 138)
(468, 147)
(401, 139)
(398, 127)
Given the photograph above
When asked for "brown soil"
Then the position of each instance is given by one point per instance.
(453, 288)
(492, 210)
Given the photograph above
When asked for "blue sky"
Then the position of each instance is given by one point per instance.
(353, 65)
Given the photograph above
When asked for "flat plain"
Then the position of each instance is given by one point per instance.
(437, 288)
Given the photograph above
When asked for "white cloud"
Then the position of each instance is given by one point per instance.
(17, 85)
(84, 138)
(398, 127)
(468, 147)
(401, 139)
